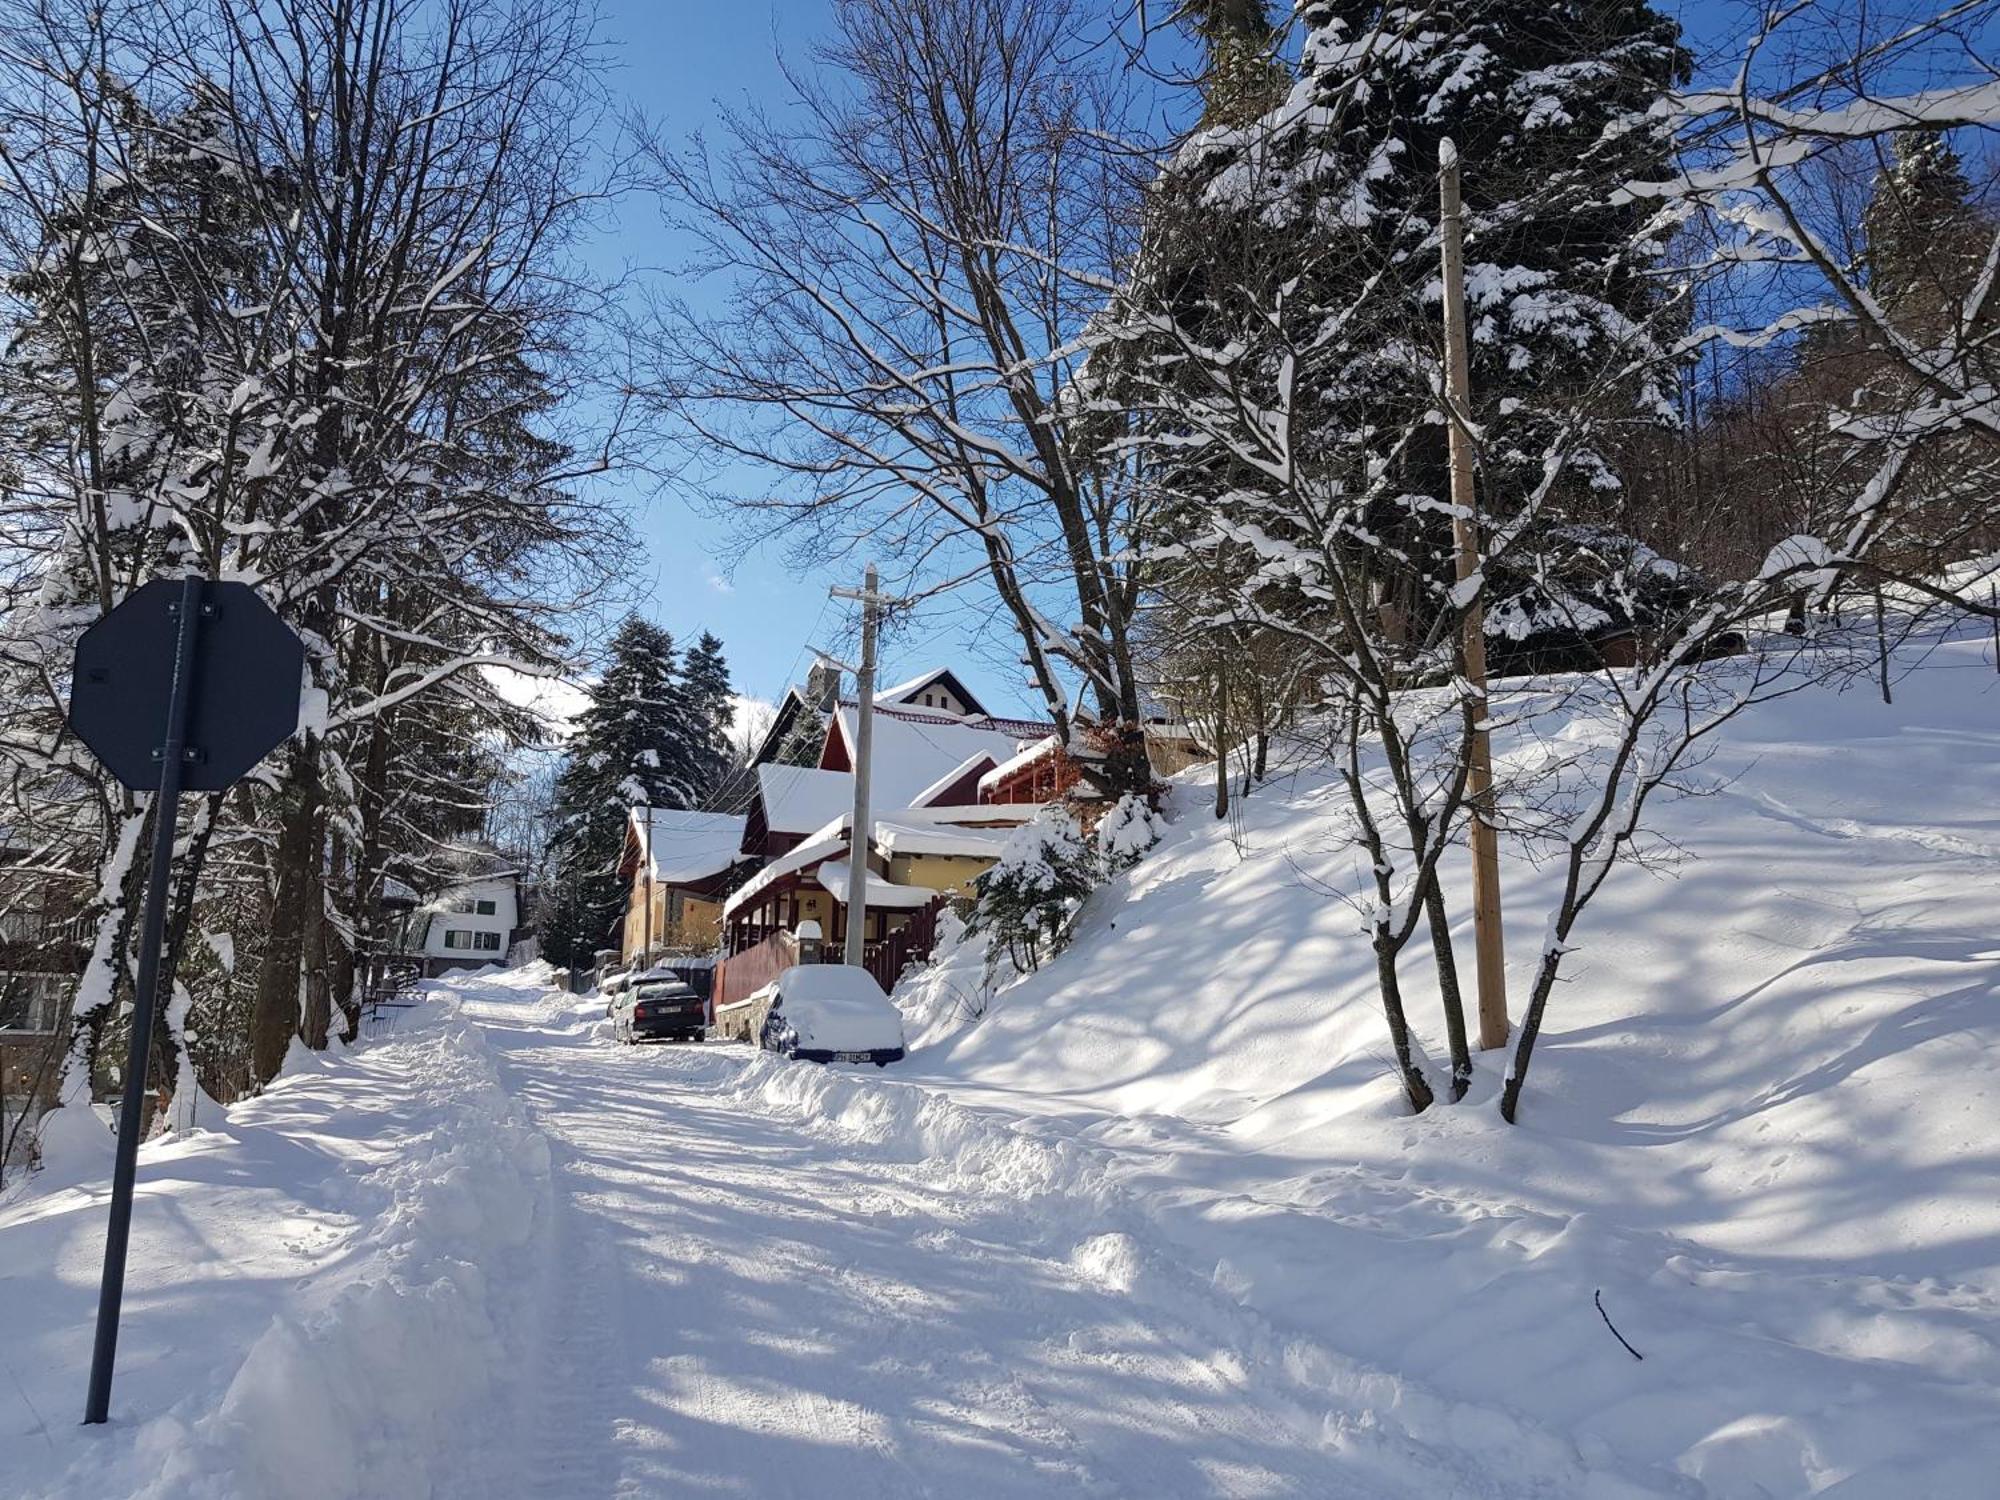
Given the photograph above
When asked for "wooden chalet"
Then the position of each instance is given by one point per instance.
(949, 783)
(679, 866)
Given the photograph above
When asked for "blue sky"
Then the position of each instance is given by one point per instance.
(677, 60)
(681, 62)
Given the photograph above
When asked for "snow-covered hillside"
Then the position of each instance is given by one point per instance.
(1761, 1121)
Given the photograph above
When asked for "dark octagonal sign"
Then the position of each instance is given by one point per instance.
(247, 671)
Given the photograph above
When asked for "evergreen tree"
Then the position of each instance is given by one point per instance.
(1926, 241)
(631, 750)
(1329, 203)
(710, 710)
(1030, 896)
(1240, 78)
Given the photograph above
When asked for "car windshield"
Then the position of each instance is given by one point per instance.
(665, 992)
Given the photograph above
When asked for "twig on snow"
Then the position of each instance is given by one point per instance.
(1598, 1298)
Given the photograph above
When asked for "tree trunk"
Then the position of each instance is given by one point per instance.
(274, 1018)
(1531, 1027)
(1448, 991)
(1221, 740)
(98, 989)
(1416, 1088)
(315, 1008)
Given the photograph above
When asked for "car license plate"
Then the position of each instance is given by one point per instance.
(853, 1056)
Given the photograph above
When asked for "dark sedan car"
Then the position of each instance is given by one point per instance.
(654, 1008)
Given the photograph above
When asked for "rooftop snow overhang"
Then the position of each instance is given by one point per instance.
(833, 875)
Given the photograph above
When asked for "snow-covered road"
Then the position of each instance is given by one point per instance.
(747, 1304)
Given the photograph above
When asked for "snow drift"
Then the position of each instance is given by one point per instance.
(1756, 1133)
(319, 1286)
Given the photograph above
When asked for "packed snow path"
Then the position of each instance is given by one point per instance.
(750, 1306)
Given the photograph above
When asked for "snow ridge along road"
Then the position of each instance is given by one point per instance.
(326, 1289)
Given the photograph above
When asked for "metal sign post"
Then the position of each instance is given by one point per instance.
(166, 823)
(141, 666)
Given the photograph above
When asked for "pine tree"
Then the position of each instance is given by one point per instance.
(630, 750)
(710, 711)
(1031, 894)
(1925, 238)
(1332, 198)
(1240, 78)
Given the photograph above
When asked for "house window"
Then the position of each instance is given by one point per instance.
(459, 939)
(459, 906)
(31, 1002)
(485, 908)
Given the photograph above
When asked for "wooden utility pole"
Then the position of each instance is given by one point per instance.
(1492, 950)
(860, 825)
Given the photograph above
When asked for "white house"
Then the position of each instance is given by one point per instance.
(470, 925)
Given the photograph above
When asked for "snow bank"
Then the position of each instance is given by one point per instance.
(411, 1344)
(1754, 1129)
(908, 1124)
(318, 1289)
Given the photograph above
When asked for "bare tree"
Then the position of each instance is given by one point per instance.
(913, 254)
(295, 273)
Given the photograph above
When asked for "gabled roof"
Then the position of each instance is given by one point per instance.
(798, 799)
(909, 692)
(684, 847)
(972, 766)
(914, 752)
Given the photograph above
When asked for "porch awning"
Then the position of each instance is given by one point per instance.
(880, 893)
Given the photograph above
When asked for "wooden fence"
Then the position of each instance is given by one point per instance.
(741, 975)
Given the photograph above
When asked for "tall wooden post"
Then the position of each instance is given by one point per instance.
(1492, 950)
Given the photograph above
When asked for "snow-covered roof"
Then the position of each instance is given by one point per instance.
(951, 778)
(1000, 814)
(882, 893)
(809, 853)
(799, 799)
(914, 752)
(906, 692)
(898, 836)
(682, 846)
(1042, 747)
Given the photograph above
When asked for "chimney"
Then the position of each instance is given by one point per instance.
(823, 686)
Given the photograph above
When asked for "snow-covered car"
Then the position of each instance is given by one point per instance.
(832, 1013)
(658, 1006)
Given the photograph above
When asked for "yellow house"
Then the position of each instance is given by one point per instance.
(678, 867)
